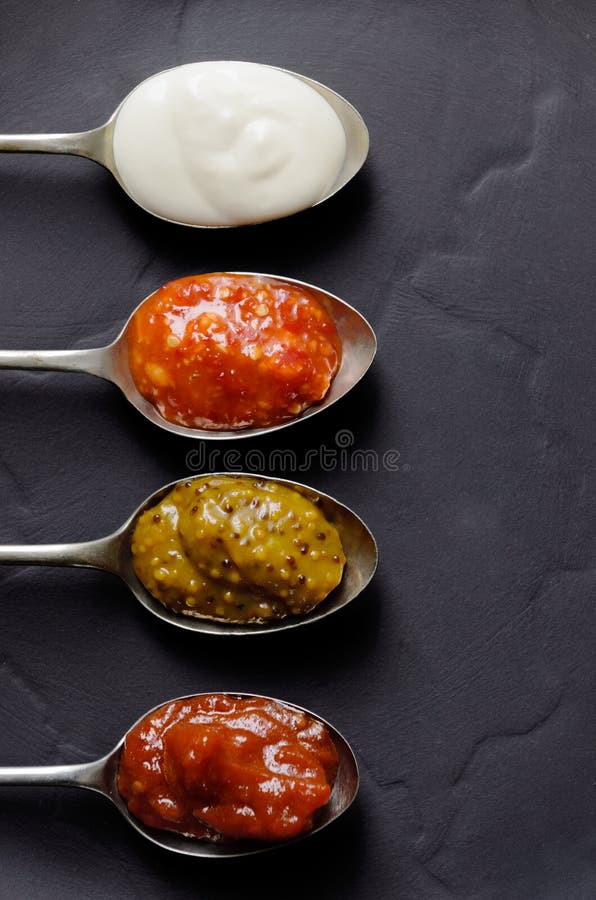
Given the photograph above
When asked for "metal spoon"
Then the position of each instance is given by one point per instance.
(97, 144)
(102, 776)
(113, 554)
(358, 340)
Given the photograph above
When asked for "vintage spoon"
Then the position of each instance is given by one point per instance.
(102, 776)
(98, 144)
(113, 554)
(359, 346)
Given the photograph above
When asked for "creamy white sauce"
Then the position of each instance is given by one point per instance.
(226, 143)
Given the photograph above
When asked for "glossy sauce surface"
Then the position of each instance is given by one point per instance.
(217, 766)
(227, 143)
(240, 549)
(232, 351)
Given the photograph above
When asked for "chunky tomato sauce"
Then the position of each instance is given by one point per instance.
(232, 351)
(216, 766)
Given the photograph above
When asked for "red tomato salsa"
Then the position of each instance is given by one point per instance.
(216, 766)
(232, 351)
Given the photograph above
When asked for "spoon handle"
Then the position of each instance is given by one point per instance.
(95, 144)
(94, 362)
(85, 775)
(102, 554)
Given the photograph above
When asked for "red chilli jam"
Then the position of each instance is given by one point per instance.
(226, 351)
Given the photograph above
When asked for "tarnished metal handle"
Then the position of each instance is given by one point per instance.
(84, 775)
(94, 362)
(95, 144)
(105, 554)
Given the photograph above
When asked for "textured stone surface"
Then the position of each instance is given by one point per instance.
(465, 677)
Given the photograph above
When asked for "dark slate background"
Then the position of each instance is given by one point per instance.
(465, 676)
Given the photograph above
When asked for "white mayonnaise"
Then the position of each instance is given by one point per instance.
(227, 143)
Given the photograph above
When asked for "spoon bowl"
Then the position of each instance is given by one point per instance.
(112, 363)
(113, 554)
(101, 776)
(98, 145)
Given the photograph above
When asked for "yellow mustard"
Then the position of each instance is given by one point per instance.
(237, 548)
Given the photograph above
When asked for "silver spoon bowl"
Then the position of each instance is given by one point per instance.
(111, 363)
(113, 554)
(98, 144)
(101, 776)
